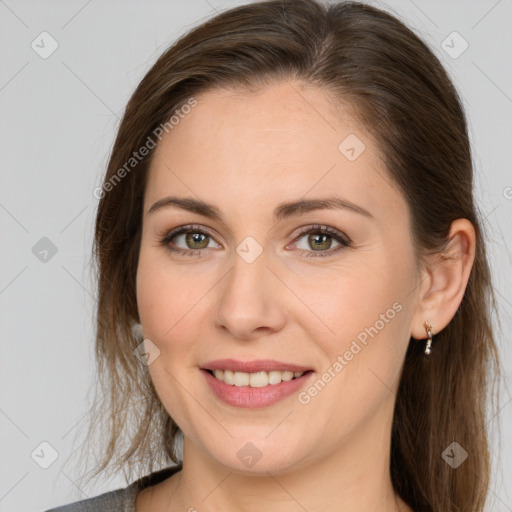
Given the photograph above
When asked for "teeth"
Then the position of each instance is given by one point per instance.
(255, 380)
(274, 377)
(241, 379)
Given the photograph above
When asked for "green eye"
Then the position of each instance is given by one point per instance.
(319, 239)
(195, 239)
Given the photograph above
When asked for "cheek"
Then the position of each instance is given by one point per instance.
(166, 295)
(165, 299)
(349, 297)
(364, 312)
(151, 296)
(363, 350)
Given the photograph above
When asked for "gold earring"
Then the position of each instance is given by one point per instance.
(428, 328)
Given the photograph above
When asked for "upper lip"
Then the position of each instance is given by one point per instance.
(256, 365)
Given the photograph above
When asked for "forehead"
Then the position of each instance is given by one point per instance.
(283, 141)
(285, 119)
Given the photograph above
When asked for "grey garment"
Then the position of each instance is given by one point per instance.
(120, 500)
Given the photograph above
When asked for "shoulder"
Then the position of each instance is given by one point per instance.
(120, 500)
(107, 502)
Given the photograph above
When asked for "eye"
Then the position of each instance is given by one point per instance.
(320, 239)
(193, 237)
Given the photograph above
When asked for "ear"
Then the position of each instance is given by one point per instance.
(444, 280)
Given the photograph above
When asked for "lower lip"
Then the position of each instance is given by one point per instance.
(252, 398)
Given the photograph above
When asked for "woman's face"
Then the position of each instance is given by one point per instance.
(261, 282)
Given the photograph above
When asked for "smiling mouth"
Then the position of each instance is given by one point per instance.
(256, 379)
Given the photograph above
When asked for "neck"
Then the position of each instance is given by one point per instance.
(355, 478)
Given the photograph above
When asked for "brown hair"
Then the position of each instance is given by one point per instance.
(368, 59)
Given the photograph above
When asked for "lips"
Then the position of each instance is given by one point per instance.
(254, 366)
(260, 393)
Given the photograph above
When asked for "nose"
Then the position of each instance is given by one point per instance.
(251, 300)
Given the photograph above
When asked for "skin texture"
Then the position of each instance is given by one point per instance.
(247, 153)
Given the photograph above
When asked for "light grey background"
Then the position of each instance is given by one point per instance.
(58, 122)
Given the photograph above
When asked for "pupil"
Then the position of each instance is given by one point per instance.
(324, 244)
(196, 238)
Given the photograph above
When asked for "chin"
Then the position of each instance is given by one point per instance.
(257, 456)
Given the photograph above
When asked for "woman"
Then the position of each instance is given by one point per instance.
(292, 274)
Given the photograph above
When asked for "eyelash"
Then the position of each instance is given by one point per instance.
(316, 229)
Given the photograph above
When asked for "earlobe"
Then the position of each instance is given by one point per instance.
(447, 277)
(428, 328)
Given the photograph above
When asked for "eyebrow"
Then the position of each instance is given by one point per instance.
(282, 211)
